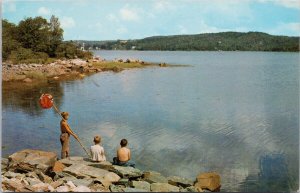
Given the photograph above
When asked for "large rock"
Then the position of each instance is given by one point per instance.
(81, 171)
(210, 181)
(83, 182)
(106, 165)
(75, 160)
(111, 177)
(42, 187)
(141, 185)
(10, 174)
(154, 177)
(14, 185)
(179, 181)
(29, 160)
(163, 187)
(81, 189)
(58, 167)
(75, 170)
(33, 181)
(127, 172)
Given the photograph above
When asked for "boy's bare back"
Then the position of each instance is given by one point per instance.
(123, 154)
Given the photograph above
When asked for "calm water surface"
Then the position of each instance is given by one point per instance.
(235, 113)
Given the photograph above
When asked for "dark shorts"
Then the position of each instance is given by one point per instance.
(65, 142)
(116, 161)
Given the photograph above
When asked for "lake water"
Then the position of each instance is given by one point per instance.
(236, 113)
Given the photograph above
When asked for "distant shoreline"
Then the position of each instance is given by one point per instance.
(223, 41)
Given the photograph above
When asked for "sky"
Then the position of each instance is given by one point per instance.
(136, 19)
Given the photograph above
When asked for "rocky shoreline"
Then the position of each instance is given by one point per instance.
(63, 69)
(40, 171)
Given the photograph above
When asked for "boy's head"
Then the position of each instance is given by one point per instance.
(97, 139)
(65, 115)
(123, 142)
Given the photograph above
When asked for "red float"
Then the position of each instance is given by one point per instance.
(46, 101)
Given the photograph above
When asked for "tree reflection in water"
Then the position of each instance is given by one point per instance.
(273, 176)
(25, 97)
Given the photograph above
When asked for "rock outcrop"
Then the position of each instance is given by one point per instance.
(31, 160)
(40, 171)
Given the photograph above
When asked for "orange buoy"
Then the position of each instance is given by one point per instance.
(46, 101)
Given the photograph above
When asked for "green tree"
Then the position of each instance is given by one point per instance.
(9, 43)
(56, 35)
(34, 34)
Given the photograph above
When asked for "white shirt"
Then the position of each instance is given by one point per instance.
(97, 153)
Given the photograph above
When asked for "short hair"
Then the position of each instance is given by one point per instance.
(97, 139)
(64, 114)
(123, 142)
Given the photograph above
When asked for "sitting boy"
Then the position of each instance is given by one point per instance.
(97, 150)
(123, 155)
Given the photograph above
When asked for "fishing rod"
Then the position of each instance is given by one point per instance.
(46, 102)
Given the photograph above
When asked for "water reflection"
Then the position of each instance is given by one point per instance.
(25, 97)
(272, 168)
(225, 114)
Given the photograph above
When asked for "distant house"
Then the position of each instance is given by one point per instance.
(82, 47)
(133, 47)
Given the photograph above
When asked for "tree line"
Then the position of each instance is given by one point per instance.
(35, 40)
(225, 41)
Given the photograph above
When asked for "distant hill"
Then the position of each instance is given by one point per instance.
(225, 41)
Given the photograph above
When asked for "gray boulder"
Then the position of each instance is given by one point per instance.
(75, 160)
(179, 181)
(111, 177)
(163, 187)
(30, 160)
(106, 165)
(154, 177)
(127, 172)
(141, 185)
(81, 171)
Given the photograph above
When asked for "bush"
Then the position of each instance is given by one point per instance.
(27, 56)
(66, 50)
(84, 54)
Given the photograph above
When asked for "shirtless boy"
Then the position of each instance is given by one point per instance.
(123, 155)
